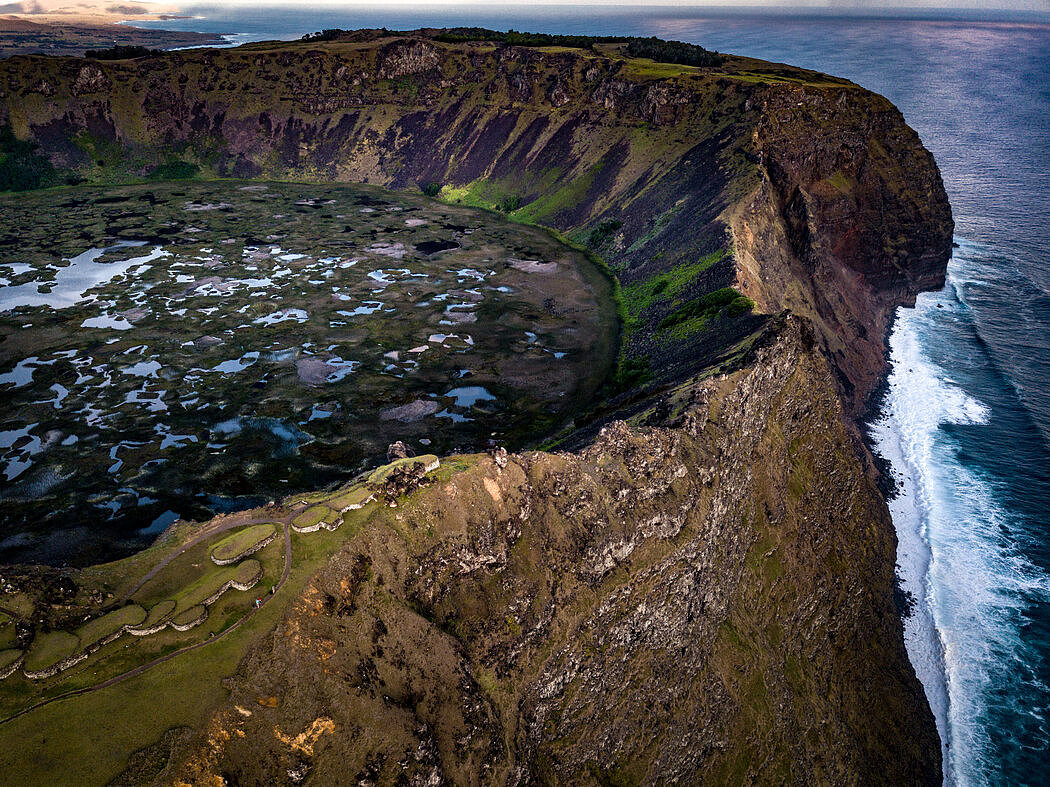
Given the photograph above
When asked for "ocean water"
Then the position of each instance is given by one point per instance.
(966, 416)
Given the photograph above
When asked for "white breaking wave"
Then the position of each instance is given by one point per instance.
(969, 584)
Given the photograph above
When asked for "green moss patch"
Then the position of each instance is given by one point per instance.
(668, 285)
(726, 300)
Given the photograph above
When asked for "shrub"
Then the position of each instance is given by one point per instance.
(672, 52)
(174, 170)
(514, 38)
(329, 34)
(431, 189)
(603, 232)
(708, 306)
(632, 372)
(509, 204)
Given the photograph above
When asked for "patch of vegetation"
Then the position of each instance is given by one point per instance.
(457, 35)
(600, 234)
(21, 167)
(204, 588)
(632, 372)
(431, 189)
(708, 306)
(242, 542)
(8, 657)
(313, 515)
(661, 221)
(8, 635)
(189, 615)
(509, 204)
(158, 613)
(841, 181)
(247, 571)
(666, 286)
(350, 499)
(328, 34)
(121, 53)
(49, 649)
(672, 52)
(174, 170)
(100, 628)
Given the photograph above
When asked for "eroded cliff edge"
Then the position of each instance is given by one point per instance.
(703, 591)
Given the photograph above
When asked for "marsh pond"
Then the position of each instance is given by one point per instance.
(179, 350)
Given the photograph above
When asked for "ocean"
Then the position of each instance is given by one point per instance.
(965, 420)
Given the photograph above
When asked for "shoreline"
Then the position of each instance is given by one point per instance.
(51, 35)
(901, 482)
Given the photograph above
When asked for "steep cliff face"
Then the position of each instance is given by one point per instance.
(669, 604)
(704, 591)
(849, 222)
(836, 210)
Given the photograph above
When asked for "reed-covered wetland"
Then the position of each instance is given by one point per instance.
(176, 350)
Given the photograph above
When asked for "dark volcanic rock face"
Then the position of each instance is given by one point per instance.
(850, 222)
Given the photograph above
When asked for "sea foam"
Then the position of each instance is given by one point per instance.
(969, 584)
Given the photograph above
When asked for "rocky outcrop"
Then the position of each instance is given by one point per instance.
(91, 79)
(820, 236)
(407, 57)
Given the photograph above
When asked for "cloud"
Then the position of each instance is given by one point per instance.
(28, 7)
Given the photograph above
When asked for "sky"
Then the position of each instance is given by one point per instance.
(112, 6)
(853, 5)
